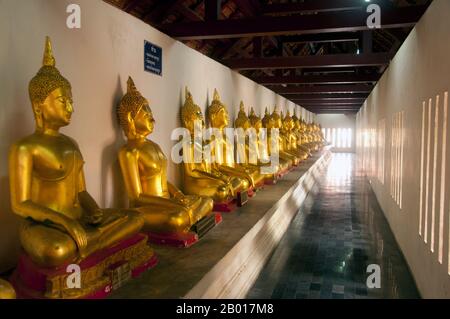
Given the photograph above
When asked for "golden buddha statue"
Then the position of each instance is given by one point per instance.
(62, 223)
(312, 136)
(165, 209)
(198, 176)
(323, 141)
(6, 290)
(225, 162)
(297, 130)
(319, 135)
(277, 123)
(306, 136)
(250, 154)
(290, 138)
(263, 146)
(286, 160)
(255, 120)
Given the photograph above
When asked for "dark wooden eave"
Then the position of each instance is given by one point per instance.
(319, 54)
(264, 26)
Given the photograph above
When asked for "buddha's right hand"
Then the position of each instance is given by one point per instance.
(222, 177)
(77, 232)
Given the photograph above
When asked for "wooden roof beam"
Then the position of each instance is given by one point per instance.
(308, 24)
(358, 88)
(316, 6)
(328, 96)
(318, 79)
(314, 61)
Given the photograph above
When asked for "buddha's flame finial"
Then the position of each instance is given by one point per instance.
(188, 95)
(242, 120)
(216, 96)
(131, 87)
(48, 60)
(275, 109)
(252, 112)
(266, 112)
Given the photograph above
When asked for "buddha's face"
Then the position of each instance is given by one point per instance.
(286, 125)
(257, 126)
(246, 125)
(277, 122)
(195, 120)
(292, 124)
(272, 124)
(56, 111)
(220, 119)
(144, 123)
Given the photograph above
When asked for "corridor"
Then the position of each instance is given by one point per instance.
(339, 231)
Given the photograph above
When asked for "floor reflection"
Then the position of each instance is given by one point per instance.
(338, 233)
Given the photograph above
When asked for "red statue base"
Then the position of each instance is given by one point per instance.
(225, 207)
(100, 273)
(182, 240)
(271, 181)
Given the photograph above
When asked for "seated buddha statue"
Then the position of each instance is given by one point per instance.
(250, 154)
(198, 176)
(306, 136)
(312, 136)
(278, 124)
(297, 130)
(225, 162)
(165, 209)
(263, 145)
(62, 223)
(6, 290)
(290, 139)
(286, 160)
(319, 135)
(322, 136)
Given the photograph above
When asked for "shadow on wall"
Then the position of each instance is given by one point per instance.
(11, 132)
(111, 175)
(9, 234)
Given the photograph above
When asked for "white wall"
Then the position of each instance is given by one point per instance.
(420, 71)
(339, 121)
(97, 59)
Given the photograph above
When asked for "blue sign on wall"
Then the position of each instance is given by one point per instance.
(152, 58)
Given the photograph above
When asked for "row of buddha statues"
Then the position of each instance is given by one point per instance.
(63, 225)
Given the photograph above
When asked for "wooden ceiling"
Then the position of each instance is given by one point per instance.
(319, 54)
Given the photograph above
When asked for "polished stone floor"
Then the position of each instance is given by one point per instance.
(339, 231)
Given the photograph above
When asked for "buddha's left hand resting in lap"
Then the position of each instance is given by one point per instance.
(144, 168)
(62, 222)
